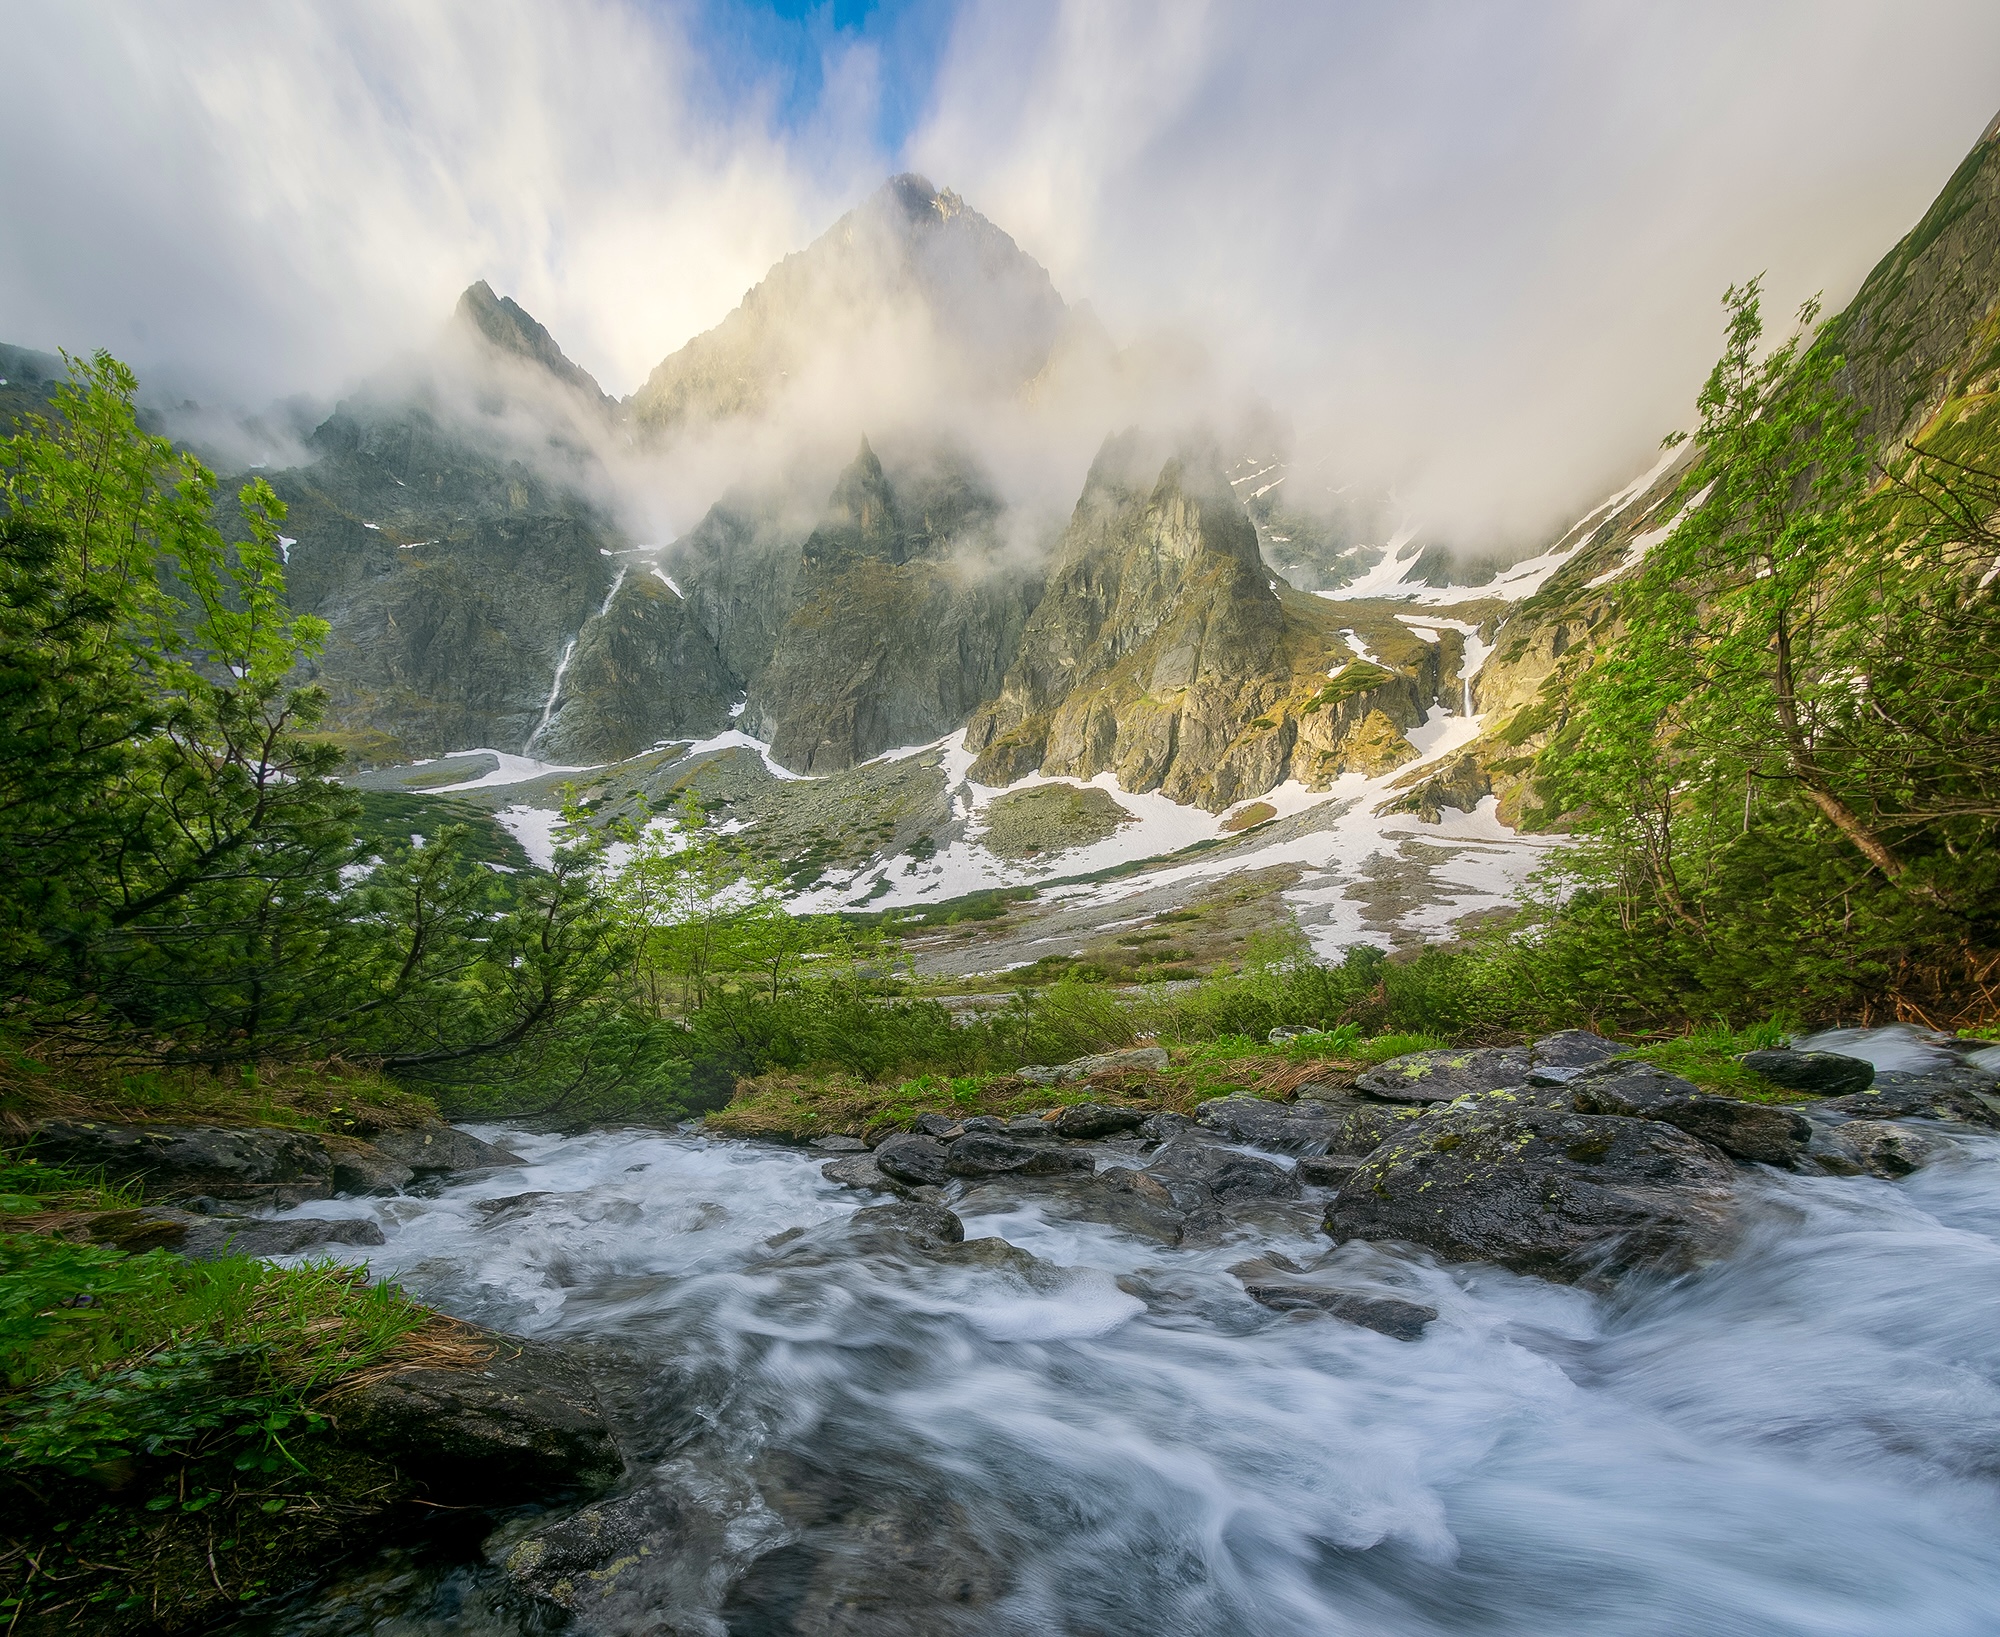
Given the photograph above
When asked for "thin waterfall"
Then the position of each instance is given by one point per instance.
(549, 704)
(562, 665)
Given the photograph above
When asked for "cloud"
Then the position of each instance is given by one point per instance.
(1473, 252)
(258, 199)
(1476, 251)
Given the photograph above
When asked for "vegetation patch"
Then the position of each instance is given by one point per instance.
(165, 1424)
(1050, 818)
(1249, 815)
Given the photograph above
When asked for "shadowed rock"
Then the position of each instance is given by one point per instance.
(1439, 1076)
(437, 1148)
(1391, 1316)
(1542, 1191)
(1751, 1131)
(224, 1162)
(524, 1426)
(1824, 1074)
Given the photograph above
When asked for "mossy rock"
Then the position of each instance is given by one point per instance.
(1051, 818)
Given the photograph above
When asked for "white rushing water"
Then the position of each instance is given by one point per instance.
(1802, 1440)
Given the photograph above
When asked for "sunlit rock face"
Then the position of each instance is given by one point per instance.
(911, 279)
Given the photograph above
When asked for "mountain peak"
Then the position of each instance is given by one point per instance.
(506, 326)
(910, 260)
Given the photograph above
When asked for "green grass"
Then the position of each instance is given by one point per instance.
(1707, 1057)
(162, 1455)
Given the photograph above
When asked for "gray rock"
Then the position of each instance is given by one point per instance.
(1290, 1127)
(258, 1163)
(1832, 1154)
(855, 1171)
(1164, 1126)
(362, 1168)
(1891, 1150)
(1094, 1120)
(1117, 1197)
(1326, 1170)
(1573, 1049)
(203, 1237)
(509, 1203)
(1368, 1127)
(1439, 1076)
(1391, 1316)
(1222, 1173)
(933, 1125)
(1762, 1132)
(908, 1223)
(1824, 1074)
(839, 1145)
(908, 1157)
(1567, 1196)
(1151, 1058)
(1962, 1092)
(209, 1237)
(436, 1148)
(526, 1426)
(980, 1154)
(595, 1555)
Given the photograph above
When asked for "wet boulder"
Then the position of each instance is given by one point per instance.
(208, 1237)
(1543, 1191)
(983, 1154)
(441, 1148)
(908, 1157)
(1960, 1092)
(1369, 1126)
(1389, 1315)
(1823, 1074)
(1761, 1132)
(855, 1171)
(1298, 1128)
(1327, 1170)
(362, 1168)
(1439, 1076)
(1218, 1174)
(839, 1145)
(1086, 1120)
(1164, 1126)
(1890, 1150)
(906, 1224)
(599, 1556)
(260, 1163)
(523, 1425)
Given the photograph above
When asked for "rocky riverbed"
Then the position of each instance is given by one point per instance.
(1242, 1375)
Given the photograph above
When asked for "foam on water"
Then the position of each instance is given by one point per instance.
(1802, 1442)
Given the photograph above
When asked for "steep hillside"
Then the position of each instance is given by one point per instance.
(913, 267)
(445, 530)
(1164, 652)
(1921, 345)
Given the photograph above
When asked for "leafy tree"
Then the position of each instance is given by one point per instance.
(169, 843)
(1784, 764)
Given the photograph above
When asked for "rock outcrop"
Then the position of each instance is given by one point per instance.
(1543, 1191)
(524, 1426)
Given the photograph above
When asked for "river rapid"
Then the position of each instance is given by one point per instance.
(1115, 1439)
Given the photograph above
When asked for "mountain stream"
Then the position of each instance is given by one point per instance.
(1109, 1437)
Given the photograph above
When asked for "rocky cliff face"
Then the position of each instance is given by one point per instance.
(1165, 653)
(897, 612)
(912, 259)
(454, 557)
